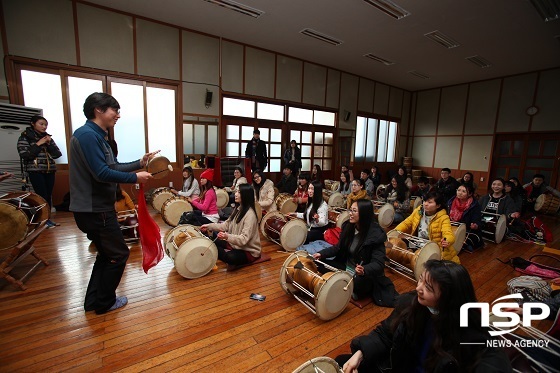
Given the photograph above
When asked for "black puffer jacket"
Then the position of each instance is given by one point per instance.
(37, 158)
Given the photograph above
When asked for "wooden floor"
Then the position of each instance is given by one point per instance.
(175, 324)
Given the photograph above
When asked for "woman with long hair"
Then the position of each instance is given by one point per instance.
(430, 221)
(206, 208)
(358, 192)
(512, 191)
(190, 184)
(301, 195)
(521, 192)
(375, 177)
(238, 237)
(423, 333)
(361, 251)
(264, 191)
(402, 175)
(397, 195)
(344, 185)
(468, 178)
(292, 157)
(316, 174)
(316, 214)
(38, 151)
(238, 179)
(464, 208)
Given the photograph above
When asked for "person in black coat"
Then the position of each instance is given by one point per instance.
(363, 254)
(447, 185)
(423, 333)
(256, 150)
(288, 183)
(292, 157)
(464, 208)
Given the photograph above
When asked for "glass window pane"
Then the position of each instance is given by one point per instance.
(359, 150)
(318, 137)
(188, 139)
(306, 137)
(130, 131)
(323, 118)
(298, 115)
(160, 103)
(534, 147)
(317, 151)
(264, 134)
(269, 111)
(247, 133)
(232, 149)
(78, 90)
(275, 150)
(501, 172)
(539, 162)
(392, 142)
(274, 165)
(275, 134)
(295, 135)
(382, 143)
(212, 139)
(508, 161)
(44, 91)
(239, 108)
(305, 165)
(329, 138)
(327, 151)
(504, 147)
(232, 132)
(517, 147)
(306, 150)
(199, 135)
(549, 148)
(327, 164)
(371, 140)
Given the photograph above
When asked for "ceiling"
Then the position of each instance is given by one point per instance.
(508, 33)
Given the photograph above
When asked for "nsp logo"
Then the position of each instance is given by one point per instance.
(500, 310)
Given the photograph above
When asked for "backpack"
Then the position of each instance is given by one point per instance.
(536, 230)
(533, 288)
(530, 267)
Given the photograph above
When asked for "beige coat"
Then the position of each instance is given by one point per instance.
(266, 196)
(243, 235)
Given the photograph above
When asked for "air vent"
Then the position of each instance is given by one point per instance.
(479, 61)
(17, 114)
(549, 10)
(237, 7)
(442, 39)
(419, 74)
(319, 36)
(390, 8)
(379, 59)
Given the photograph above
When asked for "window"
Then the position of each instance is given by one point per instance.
(238, 108)
(270, 111)
(376, 140)
(192, 135)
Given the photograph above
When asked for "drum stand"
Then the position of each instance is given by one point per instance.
(20, 252)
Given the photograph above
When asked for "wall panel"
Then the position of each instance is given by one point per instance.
(194, 97)
(157, 50)
(482, 107)
(548, 99)
(201, 58)
(365, 96)
(448, 152)
(452, 110)
(289, 78)
(395, 102)
(426, 112)
(232, 67)
(476, 153)
(517, 95)
(423, 151)
(259, 72)
(348, 100)
(333, 88)
(381, 104)
(314, 84)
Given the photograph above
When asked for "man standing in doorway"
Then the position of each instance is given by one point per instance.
(256, 150)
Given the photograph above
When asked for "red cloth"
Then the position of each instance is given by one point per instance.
(458, 208)
(150, 238)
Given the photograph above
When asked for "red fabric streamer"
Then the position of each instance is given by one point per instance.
(150, 238)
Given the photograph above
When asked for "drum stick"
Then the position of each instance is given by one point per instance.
(169, 167)
(208, 248)
(352, 279)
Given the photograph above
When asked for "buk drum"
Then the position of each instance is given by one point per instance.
(222, 198)
(159, 167)
(547, 204)
(325, 295)
(13, 225)
(33, 205)
(285, 204)
(414, 203)
(332, 185)
(173, 208)
(380, 190)
(460, 232)
(286, 231)
(128, 221)
(159, 196)
(319, 364)
(493, 227)
(338, 216)
(333, 199)
(194, 254)
(408, 259)
(385, 213)
(176, 236)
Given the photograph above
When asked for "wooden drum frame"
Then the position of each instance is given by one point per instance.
(496, 221)
(547, 204)
(285, 204)
(288, 232)
(405, 261)
(173, 208)
(159, 196)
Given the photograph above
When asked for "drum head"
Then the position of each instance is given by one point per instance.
(270, 215)
(222, 198)
(196, 257)
(158, 167)
(293, 234)
(342, 218)
(319, 364)
(501, 226)
(170, 249)
(13, 225)
(460, 233)
(285, 203)
(331, 299)
(393, 233)
(385, 215)
(159, 197)
(173, 208)
(289, 288)
(380, 189)
(417, 202)
(429, 251)
(41, 211)
(335, 185)
(539, 203)
(336, 200)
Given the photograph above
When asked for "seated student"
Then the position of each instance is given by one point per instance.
(513, 192)
(123, 202)
(537, 187)
(316, 214)
(190, 184)
(375, 177)
(368, 184)
(431, 222)
(238, 179)
(344, 185)
(396, 194)
(464, 208)
(301, 196)
(288, 183)
(205, 207)
(238, 237)
(521, 192)
(361, 251)
(358, 192)
(447, 185)
(422, 189)
(402, 175)
(468, 178)
(498, 202)
(264, 191)
(423, 333)
(316, 174)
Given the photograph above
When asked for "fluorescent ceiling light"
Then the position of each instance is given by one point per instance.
(320, 36)
(237, 7)
(390, 8)
(442, 39)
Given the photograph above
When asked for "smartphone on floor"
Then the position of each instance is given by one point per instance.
(258, 297)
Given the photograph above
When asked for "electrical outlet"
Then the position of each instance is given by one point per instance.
(137, 186)
(481, 179)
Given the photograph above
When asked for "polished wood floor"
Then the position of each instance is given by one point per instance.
(175, 324)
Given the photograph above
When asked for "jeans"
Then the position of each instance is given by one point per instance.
(43, 184)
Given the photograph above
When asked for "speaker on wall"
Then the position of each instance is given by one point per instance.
(347, 115)
(208, 99)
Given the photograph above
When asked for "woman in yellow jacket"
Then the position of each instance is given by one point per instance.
(358, 192)
(431, 222)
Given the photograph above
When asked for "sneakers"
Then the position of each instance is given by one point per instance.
(51, 224)
(119, 303)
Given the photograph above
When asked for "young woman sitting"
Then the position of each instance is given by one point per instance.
(358, 192)
(464, 208)
(397, 195)
(206, 209)
(316, 214)
(264, 191)
(190, 184)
